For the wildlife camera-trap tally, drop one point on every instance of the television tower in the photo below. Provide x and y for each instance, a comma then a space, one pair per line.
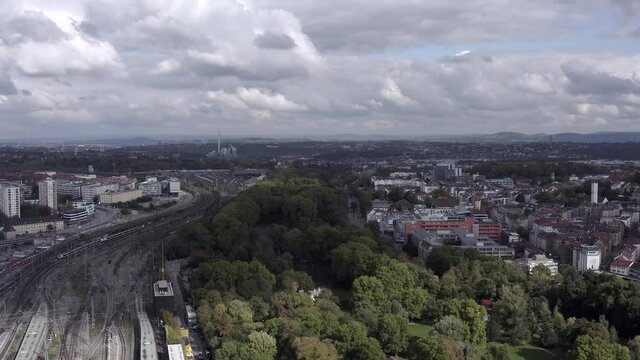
218, 140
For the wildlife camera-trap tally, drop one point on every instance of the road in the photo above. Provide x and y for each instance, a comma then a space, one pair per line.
91, 311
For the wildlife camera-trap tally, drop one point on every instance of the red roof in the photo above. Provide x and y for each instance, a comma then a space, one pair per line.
621, 263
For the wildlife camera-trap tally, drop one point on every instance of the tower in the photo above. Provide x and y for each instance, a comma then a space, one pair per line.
10, 200
47, 194
218, 140
594, 192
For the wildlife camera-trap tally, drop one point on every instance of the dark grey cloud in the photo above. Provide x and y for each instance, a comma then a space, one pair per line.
366, 26
6, 85
269, 40
586, 80
89, 28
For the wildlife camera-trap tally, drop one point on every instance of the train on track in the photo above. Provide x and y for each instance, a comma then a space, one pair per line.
101, 239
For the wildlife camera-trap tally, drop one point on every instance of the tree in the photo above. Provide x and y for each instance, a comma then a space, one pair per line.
451, 326
496, 352
510, 315
434, 347
393, 333
395, 194
370, 290
312, 348
353, 343
472, 314
230, 350
589, 348
634, 347
260, 346
295, 279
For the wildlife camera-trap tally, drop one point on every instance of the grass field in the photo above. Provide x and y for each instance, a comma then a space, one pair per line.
531, 352
419, 330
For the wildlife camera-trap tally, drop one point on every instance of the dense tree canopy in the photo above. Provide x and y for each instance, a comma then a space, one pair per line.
258, 262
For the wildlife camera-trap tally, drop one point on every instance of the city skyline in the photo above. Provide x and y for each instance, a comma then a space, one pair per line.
263, 68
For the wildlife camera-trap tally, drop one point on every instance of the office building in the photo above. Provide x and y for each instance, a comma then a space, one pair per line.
151, 187
120, 196
48, 194
10, 200
594, 192
81, 212
173, 186
446, 171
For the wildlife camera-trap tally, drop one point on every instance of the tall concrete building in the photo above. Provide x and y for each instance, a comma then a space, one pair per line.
10, 200
594, 192
47, 194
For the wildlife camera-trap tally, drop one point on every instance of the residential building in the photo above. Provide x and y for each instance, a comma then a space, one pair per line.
621, 266
538, 260
120, 196
586, 257
48, 194
15, 227
10, 200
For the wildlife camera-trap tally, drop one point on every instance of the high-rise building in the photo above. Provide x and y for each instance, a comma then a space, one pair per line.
10, 200
47, 194
594, 192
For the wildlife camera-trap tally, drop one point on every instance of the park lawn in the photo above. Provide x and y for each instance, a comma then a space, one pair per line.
419, 330
532, 352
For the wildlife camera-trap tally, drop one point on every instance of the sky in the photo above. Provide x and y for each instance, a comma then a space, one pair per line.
307, 67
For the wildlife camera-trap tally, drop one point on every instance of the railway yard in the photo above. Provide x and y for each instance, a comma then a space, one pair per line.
89, 299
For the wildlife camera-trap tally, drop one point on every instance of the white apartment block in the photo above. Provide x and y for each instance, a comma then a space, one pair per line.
10, 200
48, 194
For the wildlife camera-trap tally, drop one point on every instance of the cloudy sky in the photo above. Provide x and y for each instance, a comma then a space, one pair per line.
292, 67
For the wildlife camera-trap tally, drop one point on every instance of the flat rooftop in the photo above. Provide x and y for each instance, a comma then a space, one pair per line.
162, 288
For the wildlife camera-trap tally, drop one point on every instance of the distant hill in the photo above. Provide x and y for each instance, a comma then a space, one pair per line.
500, 137
599, 137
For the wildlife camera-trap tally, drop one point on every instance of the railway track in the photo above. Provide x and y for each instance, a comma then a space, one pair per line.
76, 340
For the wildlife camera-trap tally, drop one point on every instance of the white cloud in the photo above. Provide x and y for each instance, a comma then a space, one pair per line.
258, 103
391, 92
262, 99
75, 55
165, 67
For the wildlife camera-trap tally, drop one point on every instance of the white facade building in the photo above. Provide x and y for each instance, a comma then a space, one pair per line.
594, 192
531, 263
10, 200
48, 194
82, 211
151, 187
174, 186
586, 257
